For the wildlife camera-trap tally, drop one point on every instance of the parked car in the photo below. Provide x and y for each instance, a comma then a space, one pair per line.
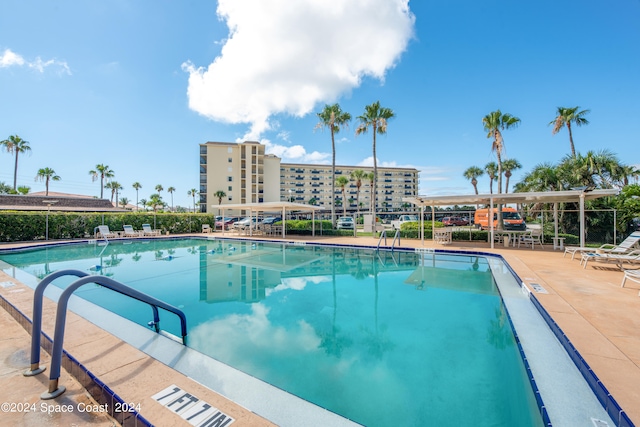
345, 223
228, 221
270, 220
449, 221
397, 224
244, 223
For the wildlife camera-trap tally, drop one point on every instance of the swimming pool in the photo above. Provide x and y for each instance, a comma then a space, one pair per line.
399, 338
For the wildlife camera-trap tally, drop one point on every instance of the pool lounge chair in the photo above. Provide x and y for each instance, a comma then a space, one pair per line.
103, 231
534, 236
148, 231
626, 246
206, 228
633, 275
130, 232
618, 259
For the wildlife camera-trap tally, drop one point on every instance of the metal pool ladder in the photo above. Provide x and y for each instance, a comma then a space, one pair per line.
383, 234
61, 315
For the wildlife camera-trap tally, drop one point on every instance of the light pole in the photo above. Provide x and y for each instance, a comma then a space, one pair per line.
48, 203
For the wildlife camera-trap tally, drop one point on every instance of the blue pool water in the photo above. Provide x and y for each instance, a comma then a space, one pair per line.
384, 339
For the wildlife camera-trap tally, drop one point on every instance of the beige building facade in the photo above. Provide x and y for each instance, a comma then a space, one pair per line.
245, 174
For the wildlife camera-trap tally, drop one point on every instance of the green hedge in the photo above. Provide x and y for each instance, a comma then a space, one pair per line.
26, 226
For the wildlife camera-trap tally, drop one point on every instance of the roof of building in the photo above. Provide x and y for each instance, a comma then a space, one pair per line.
59, 202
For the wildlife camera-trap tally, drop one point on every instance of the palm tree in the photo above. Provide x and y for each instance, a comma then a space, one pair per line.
472, 174
170, 190
143, 203
114, 186
123, 202
567, 116
491, 169
159, 189
358, 175
342, 182
376, 118
493, 123
103, 172
137, 186
155, 201
333, 118
17, 145
219, 195
193, 193
46, 175
22, 189
509, 165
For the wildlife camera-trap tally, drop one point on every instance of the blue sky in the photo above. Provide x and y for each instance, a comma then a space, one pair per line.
138, 84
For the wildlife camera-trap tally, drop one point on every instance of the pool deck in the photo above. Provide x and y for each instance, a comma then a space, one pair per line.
598, 316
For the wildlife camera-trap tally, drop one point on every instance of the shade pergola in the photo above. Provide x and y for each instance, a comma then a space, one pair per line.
555, 197
282, 207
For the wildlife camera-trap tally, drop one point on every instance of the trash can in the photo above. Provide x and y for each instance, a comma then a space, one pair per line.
506, 241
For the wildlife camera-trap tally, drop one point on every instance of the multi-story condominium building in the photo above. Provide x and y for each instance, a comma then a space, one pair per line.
303, 183
245, 174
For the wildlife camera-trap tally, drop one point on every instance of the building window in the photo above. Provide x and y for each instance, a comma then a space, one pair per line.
230, 159
230, 198
229, 169
229, 150
229, 188
230, 178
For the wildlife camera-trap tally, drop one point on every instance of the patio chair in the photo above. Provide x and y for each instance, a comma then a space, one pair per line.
625, 246
633, 275
206, 228
129, 231
148, 231
103, 230
618, 259
534, 236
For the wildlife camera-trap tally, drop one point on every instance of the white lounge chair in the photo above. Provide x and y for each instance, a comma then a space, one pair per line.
442, 236
625, 246
103, 231
148, 231
130, 232
206, 228
633, 275
618, 259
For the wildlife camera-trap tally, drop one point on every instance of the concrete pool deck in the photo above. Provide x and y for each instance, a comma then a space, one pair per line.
599, 317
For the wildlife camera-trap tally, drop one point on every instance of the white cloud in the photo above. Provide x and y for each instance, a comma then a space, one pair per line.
10, 58
284, 57
295, 153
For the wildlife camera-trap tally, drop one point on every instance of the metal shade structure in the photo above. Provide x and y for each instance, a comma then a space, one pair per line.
555, 197
282, 207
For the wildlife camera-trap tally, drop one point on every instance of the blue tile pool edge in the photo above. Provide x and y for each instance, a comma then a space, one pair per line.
617, 414
98, 390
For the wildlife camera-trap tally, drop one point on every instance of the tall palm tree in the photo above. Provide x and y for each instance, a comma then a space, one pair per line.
123, 202
508, 166
342, 182
472, 174
159, 189
143, 203
358, 175
567, 116
193, 193
137, 186
494, 123
334, 118
491, 169
17, 145
219, 195
104, 173
170, 190
46, 175
376, 118
155, 201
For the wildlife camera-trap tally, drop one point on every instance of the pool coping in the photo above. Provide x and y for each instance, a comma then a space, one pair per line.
608, 402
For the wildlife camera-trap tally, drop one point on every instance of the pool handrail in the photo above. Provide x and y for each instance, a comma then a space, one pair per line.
383, 234
56, 353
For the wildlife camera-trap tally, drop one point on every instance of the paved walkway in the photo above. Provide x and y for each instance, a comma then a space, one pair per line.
599, 317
